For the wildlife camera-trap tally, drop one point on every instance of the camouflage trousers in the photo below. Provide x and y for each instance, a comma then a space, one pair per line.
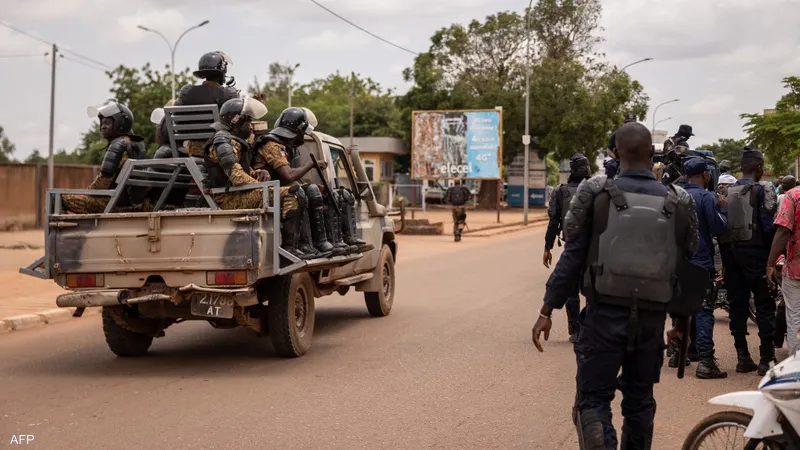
253, 199
459, 218
95, 204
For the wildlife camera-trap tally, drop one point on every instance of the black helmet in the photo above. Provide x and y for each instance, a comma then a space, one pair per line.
211, 64
119, 113
238, 111
630, 117
291, 123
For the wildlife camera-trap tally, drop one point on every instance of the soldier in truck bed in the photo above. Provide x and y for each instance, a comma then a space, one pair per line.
559, 204
116, 126
273, 154
212, 67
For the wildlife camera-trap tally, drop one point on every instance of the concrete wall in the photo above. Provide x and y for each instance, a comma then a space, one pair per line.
23, 187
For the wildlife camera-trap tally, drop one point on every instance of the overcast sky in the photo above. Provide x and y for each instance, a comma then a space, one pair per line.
719, 57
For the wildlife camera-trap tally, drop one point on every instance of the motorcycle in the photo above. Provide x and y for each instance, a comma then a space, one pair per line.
773, 423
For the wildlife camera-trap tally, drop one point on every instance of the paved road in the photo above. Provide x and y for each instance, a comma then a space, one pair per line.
451, 368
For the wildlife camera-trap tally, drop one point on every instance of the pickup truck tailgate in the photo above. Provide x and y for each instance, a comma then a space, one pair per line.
153, 242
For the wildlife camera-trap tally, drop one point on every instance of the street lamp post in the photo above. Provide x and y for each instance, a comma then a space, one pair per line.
662, 120
291, 88
636, 62
526, 139
173, 47
655, 111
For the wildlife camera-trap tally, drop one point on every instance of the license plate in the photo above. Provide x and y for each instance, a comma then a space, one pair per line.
212, 305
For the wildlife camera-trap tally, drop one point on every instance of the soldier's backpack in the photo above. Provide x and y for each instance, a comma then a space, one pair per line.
634, 252
458, 195
742, 210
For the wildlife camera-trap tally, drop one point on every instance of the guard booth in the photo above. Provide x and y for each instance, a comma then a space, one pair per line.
537, 181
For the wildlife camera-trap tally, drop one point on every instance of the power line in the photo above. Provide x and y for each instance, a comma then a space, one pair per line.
364, 30
25, 33
83, 63
27, 55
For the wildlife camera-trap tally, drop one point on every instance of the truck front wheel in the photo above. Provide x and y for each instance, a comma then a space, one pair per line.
379, 304
290, 314
121, 341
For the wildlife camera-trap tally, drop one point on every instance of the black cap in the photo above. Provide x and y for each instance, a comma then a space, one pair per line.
685, 130
750, 152
694, 166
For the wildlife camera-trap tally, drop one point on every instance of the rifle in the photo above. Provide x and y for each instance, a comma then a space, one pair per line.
328, 191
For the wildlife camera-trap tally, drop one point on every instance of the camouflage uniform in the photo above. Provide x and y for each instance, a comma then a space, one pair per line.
459, 218
116, 154
271, 157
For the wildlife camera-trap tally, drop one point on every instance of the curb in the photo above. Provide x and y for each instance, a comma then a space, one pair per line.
507, 225
509, 230
28, 321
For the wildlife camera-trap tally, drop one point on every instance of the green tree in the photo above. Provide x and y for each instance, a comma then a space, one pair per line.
7, 147
730, 149
576, 99
374, 110
777, 133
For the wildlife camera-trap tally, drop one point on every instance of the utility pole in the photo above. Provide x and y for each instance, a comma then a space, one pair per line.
526, 139
290, 73
352, 100
50, 167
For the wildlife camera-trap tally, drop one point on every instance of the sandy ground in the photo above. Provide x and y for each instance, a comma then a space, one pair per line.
452, 367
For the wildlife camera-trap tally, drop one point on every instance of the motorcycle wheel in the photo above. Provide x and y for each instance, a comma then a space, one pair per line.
729, 426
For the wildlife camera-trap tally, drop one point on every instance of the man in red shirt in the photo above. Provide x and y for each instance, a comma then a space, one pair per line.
787, 241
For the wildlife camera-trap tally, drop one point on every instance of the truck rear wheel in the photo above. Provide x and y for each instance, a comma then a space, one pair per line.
290, 314
123, 342
379, 304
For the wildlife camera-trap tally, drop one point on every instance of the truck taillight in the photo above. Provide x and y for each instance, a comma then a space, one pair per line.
228, 278
85, 280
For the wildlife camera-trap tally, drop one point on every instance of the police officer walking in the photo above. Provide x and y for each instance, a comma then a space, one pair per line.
712, 221
559, 204
612, 228
745, 247
674, 147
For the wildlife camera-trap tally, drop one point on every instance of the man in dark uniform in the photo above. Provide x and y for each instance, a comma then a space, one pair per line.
625, 240
116, 126
712, 221
745, 247
724, 167
458, 196
559, 205
612, 165
273, 153
212, 68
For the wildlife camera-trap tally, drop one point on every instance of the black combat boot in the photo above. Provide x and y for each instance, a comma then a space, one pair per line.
708, 369
745, 363
673, 360
332, 229
350, 228
304, 243
767, 357
317, 219
636, 440
290, 234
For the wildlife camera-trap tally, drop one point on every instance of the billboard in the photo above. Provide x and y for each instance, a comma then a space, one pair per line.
457, 144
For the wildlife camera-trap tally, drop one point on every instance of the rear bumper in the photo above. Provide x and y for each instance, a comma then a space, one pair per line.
87, 299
